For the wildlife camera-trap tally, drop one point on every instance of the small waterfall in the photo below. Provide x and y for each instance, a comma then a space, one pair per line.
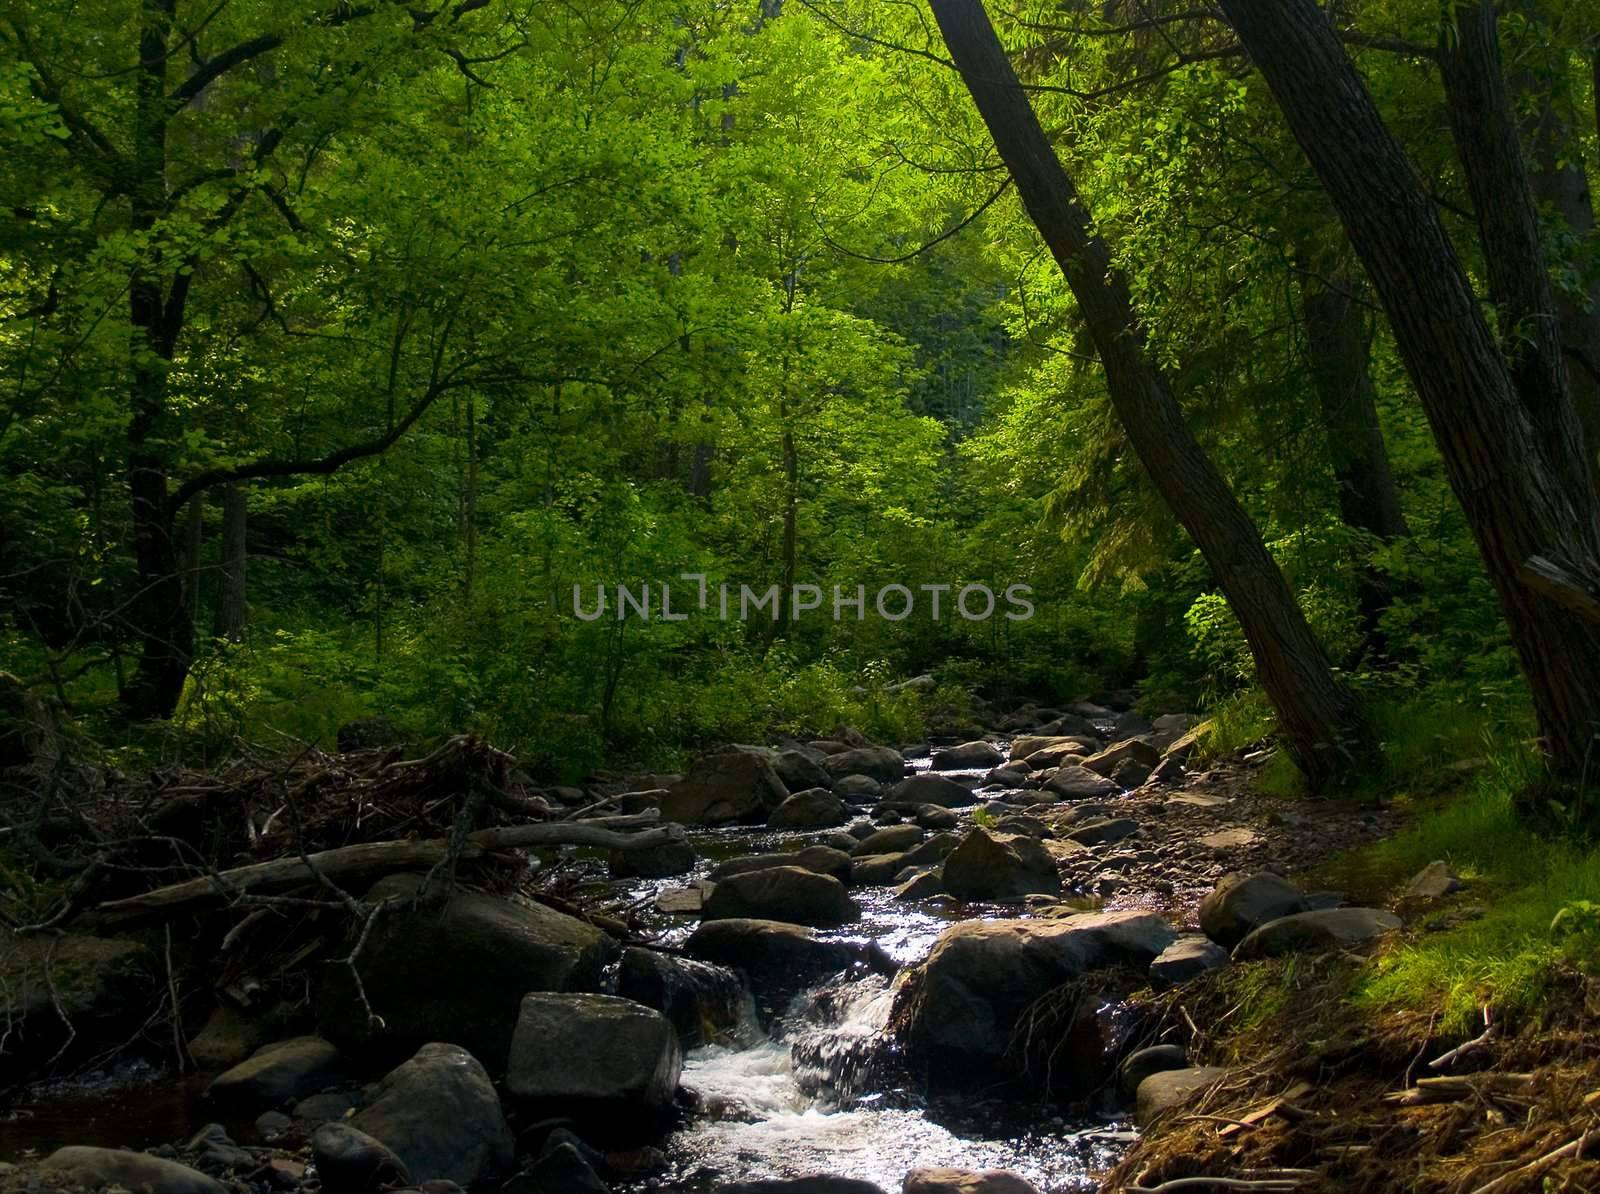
839, 1039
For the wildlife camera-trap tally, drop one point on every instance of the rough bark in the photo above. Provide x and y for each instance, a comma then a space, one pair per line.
1320, 720
1489, 146
1518, 500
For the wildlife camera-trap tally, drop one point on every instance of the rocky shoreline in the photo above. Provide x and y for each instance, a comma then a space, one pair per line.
501, 1031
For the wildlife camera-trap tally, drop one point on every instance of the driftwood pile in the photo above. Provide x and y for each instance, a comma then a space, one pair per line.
257, 830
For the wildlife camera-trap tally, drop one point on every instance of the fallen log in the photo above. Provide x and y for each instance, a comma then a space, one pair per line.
371, 860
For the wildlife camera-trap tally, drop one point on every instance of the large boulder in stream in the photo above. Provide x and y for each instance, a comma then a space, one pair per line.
782, 893
802, 769
824, 860
704, 1002
440, 1115
816, 1183
279, 1073
814, 808
1000, 866
739, 783
968, 756
882, 763
455, 973
1073, 782
602, 1059
955, 1013
929, 789
779, 959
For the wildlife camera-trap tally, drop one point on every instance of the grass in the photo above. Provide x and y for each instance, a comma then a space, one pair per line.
1494, 943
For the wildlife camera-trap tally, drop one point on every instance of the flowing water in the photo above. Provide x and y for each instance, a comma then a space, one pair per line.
820, 1093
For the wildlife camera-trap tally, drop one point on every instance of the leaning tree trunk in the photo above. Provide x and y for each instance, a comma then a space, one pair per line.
1320, 719
1340, 355
1510, 467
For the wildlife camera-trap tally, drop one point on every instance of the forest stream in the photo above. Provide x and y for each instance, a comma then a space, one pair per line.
802, 1075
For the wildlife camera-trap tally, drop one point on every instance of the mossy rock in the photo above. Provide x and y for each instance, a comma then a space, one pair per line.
68, 997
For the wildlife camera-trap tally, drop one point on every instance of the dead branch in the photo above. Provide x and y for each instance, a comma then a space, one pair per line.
372, 859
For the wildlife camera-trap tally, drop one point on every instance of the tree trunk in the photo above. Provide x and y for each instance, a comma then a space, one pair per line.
1321, 721
1509, 467
1489, 146
1561, 183
161, 616
233, 611
1340, 356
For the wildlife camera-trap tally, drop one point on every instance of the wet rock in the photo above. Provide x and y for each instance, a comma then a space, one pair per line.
780, 960
1326, 928
967, 756
934, 850
440, 1115
600, 1058
857, 789
98, 1168
735, 784
673, 857
824, 860
920, 886
1109, 759
931, 816
456, 973
861, 830
882, 763
1139, 1065
683, 901
278, 1073
351, 1162
814, 808
998, 866
801, 770
703, 1002
562, 1169
876, 870
1241, 903
1172, 1088
1171, 723
928, 788
1029, 747
97, 984
1433, 882
1012, 776
1096, 833
1187, 958
960, 1006
559, 1170
782, 893
896, 839
211, 1150
1079, 783
965, 1181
